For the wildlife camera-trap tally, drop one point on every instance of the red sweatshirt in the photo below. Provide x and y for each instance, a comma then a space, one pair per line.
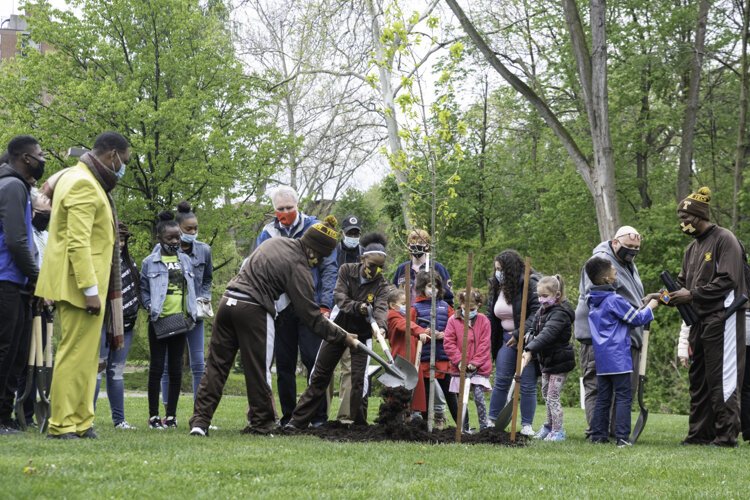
397, 332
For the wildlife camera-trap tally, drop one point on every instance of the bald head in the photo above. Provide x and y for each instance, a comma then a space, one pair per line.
626, 244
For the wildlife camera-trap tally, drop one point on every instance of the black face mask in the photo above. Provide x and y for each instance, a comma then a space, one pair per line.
169, 249
40, 221
626, 254
417, 250
38, 171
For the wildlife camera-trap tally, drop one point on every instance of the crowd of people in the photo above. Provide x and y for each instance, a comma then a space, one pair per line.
307, 290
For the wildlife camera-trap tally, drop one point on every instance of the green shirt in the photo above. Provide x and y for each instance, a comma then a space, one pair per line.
173, 302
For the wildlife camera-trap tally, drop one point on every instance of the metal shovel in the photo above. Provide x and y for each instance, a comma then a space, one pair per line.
29, 388
404, 367
41, 407
643, 415
44, 389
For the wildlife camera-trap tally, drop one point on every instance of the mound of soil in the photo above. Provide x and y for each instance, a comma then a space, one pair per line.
393, 424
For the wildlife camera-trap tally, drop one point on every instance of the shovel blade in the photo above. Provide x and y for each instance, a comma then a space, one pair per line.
399, 374
506, 414
639, 425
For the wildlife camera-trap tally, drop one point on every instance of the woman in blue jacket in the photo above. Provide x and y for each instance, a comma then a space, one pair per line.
167, 289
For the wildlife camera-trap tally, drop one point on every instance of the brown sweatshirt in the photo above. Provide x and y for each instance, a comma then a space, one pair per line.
351, 291
280, 266
711, 269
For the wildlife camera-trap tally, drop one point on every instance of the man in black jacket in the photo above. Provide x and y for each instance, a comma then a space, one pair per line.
18, 268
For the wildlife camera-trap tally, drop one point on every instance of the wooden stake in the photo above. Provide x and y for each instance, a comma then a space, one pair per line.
407, 293
467, 307
519, 346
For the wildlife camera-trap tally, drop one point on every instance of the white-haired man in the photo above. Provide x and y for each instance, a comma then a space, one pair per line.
621, 251
292, 335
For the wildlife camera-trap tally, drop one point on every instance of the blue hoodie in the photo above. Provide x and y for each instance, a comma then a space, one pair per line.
610, 318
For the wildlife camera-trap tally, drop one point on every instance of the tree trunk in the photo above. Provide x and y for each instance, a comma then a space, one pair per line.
742, 139
691, 103
389, 107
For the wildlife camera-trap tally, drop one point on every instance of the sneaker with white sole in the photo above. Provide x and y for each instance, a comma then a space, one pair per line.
170, 422
555, 436
199, 431
125, 426
155, 423
527, 430
624, 443
543, 432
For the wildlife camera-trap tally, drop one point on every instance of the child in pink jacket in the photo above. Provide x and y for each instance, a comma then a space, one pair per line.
478, 358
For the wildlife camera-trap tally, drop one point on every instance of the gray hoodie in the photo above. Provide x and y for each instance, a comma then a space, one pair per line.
628, 286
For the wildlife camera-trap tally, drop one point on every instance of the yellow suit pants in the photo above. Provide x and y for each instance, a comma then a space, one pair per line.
76, 362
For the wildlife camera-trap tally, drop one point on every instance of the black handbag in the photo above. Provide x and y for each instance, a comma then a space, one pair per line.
174, 324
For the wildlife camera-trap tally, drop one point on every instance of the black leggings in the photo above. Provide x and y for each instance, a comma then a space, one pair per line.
450, 397
158, 349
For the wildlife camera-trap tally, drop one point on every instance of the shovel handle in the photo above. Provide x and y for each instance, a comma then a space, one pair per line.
418, 357
381, 340
37, 330
374, 355
32, 348
644, 354
48, 347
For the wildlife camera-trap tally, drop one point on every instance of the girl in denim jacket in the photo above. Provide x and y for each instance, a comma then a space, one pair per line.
167, 288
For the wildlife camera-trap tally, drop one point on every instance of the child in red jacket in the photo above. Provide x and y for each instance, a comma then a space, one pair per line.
478, 358
397, 336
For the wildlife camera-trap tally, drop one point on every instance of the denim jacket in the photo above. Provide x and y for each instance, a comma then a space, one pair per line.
203, 268
155, 279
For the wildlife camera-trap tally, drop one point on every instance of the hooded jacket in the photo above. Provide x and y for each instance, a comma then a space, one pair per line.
17, 261
627, 286
351, 291
478, 347
610, 320
550, 338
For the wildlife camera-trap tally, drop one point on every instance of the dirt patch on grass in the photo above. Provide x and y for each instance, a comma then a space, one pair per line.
393, 424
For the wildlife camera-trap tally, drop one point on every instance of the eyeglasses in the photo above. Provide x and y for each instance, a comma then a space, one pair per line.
632, 236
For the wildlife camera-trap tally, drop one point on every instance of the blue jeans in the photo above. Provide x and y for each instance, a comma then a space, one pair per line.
197, 364
606, 385
115, 368
505, 369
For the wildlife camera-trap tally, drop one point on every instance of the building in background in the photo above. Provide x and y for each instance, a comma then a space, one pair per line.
13, 29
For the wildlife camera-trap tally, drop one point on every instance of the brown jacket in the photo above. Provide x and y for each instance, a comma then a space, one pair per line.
711, 269
280, 266
351, 291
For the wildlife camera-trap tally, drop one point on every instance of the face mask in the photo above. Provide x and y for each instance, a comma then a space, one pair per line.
499, 276
120, 173
38, 171
169, 249
312, 259
287, 218
428, 292
472, 313
417, 250
626, 254
40, 221
402, 310
688, 228
350, 242
372, 271
547, 301
188, 238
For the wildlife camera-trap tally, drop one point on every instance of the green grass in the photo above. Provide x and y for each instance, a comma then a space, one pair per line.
170, 464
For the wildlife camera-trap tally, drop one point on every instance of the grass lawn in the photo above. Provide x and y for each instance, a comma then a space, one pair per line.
170, 464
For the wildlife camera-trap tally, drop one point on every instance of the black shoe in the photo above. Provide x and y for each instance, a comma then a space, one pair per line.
292, 427
624, 443
599, 440
89, 434
261, 431
8, 431
199, 431
170, 422
67, 435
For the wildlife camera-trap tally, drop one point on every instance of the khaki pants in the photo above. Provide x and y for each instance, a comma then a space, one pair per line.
345, 387
76, 363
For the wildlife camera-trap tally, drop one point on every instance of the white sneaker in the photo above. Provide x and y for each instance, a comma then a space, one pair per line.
527, 430
198, 431
125, 425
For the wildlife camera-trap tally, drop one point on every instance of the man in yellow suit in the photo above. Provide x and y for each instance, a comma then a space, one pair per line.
79, 273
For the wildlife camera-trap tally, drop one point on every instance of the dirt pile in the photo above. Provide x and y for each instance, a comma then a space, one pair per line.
393, 424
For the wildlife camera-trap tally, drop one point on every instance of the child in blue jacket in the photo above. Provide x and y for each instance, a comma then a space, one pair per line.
610, 318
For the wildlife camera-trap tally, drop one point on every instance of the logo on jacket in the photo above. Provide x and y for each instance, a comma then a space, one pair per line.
370, 298
707, 257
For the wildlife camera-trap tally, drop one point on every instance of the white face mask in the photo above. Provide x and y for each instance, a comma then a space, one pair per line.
350, 242
428, 292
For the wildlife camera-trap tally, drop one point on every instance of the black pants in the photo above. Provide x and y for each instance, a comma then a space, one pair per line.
248, 327
15, 335
328, 357
293, 336
158, 349
745, 400
716, 377
450, 397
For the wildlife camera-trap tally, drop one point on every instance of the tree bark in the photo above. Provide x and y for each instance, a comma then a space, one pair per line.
691, 103
742, 139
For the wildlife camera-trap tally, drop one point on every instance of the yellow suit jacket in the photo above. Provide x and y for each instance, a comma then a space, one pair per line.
81, 239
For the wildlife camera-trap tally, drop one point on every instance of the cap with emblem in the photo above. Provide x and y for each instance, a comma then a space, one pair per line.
697, 204
350, 222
